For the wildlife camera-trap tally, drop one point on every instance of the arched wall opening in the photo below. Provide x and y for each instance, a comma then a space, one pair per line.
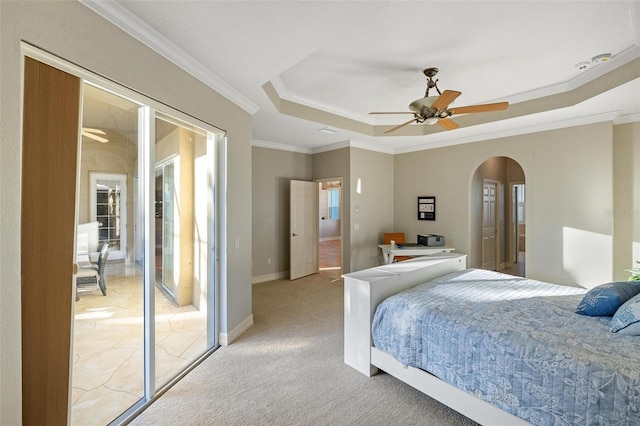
497, 214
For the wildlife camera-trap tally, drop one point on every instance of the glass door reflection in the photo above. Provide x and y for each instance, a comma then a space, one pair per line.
108, 331
183, 190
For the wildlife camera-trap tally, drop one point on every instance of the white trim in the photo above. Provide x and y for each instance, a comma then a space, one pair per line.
141, 31
353, 144
280, 146
330, 238
534, 128
226, 339
598, 70
269, 277
629, 118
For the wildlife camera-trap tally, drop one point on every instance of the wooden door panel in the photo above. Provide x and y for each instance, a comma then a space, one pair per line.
489, 226
49, 158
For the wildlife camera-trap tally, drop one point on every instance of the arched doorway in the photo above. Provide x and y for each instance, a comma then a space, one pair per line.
498, 231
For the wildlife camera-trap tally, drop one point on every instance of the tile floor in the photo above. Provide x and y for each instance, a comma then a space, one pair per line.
108, 344
108, 340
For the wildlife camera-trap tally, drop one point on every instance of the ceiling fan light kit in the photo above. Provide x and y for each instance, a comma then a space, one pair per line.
434, 109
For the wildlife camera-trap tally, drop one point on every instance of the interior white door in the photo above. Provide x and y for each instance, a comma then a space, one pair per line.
303, 235
489, 191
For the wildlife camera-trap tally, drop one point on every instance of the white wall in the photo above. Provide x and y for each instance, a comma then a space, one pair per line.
569, 188
71, 31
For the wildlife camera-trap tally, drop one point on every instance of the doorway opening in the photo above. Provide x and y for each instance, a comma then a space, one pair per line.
330, 225
498, 216
518, 234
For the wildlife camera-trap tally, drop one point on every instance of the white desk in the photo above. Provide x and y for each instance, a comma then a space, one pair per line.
388, 253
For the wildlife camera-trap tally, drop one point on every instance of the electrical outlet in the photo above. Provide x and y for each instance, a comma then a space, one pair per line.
268, 261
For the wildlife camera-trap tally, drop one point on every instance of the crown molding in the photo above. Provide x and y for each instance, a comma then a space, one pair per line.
286, 95
141, 31
515, 131
629, 118
352, 143
627, 55
598, 70
280, 146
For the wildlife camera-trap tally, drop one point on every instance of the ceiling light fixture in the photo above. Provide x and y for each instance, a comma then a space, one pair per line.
327, 130
605, 57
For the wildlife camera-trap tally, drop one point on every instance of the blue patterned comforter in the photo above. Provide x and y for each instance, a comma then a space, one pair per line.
518, 344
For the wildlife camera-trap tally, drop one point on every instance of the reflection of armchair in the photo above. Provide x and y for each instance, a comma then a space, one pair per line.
91, 272
87, 243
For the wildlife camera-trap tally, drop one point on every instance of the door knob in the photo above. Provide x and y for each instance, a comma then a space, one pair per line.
293, 234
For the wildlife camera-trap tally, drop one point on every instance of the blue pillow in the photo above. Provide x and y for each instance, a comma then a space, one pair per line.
605, 299
627, 318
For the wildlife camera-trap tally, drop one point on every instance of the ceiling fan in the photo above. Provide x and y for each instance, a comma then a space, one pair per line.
93, 134
433, 109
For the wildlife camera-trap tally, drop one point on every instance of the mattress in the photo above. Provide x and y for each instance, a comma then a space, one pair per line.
517, 344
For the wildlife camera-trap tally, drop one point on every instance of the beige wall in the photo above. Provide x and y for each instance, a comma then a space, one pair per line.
68, 29
272, 171
372, 206
336, 164
626, 205
366, 215
569, 188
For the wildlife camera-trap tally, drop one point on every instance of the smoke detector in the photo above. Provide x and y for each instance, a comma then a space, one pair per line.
581, 66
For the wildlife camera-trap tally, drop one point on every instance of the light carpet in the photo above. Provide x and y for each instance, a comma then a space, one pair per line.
288, 369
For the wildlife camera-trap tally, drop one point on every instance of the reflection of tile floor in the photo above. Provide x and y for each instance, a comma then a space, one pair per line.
108, 344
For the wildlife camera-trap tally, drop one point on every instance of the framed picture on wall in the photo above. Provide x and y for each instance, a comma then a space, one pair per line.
427, 208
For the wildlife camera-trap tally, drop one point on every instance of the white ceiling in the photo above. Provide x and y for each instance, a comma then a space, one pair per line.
349, 58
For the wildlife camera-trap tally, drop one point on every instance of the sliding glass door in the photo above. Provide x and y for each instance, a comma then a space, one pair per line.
153, 251
184, 157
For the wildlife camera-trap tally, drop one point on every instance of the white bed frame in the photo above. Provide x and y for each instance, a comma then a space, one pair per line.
364, 290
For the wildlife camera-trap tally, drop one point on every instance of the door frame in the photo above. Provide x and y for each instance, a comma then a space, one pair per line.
46, 381
513, 233
122, 177
341, 209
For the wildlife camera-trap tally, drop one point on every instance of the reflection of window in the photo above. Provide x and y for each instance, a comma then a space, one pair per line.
334, 204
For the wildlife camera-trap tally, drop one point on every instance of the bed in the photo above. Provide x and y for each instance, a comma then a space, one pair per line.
497, 348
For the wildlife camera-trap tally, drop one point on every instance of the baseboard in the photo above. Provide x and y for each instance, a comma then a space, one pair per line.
226, 339
330, 238
269, 277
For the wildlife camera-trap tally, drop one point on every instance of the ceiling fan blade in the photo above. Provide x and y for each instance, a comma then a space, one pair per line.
95, 137
445, 99
479, 108
447, 124
396, 112
92, 130
402, 125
